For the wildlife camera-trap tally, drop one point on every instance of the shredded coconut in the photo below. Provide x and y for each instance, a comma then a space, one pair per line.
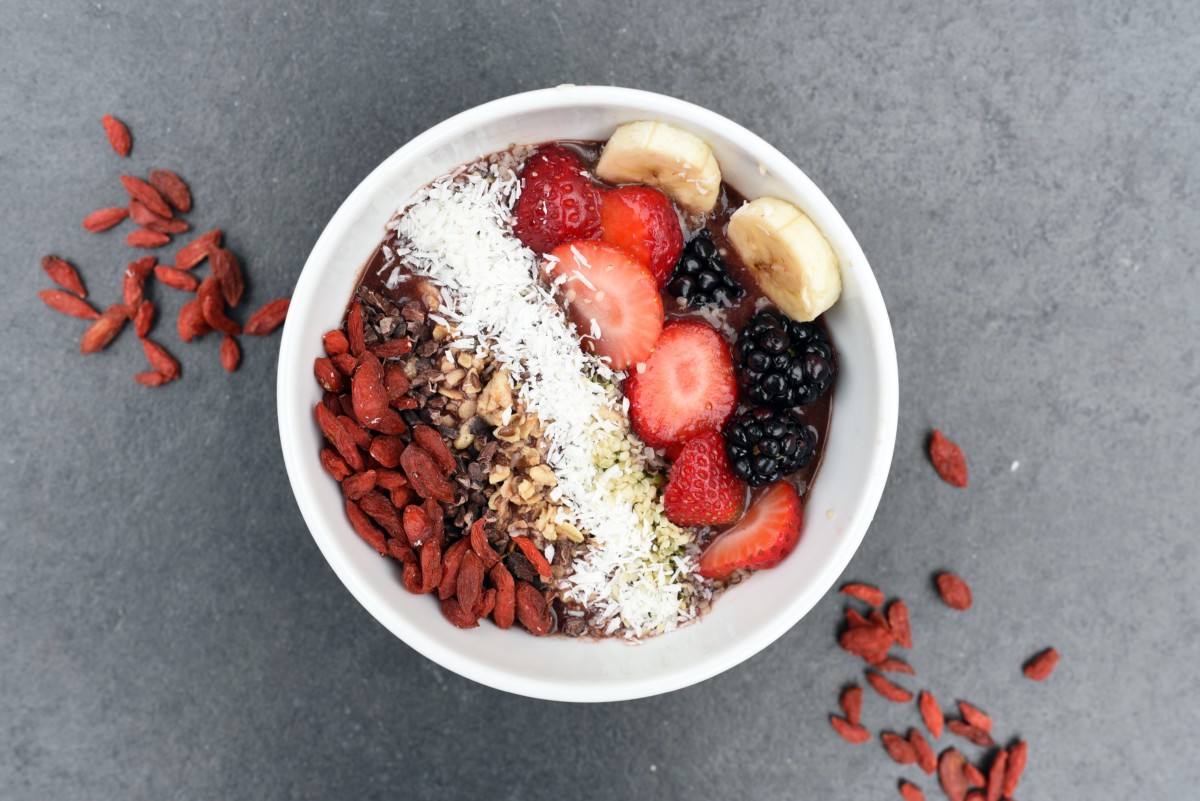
636, 568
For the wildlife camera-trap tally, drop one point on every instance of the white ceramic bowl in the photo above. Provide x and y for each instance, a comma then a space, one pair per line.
748, 617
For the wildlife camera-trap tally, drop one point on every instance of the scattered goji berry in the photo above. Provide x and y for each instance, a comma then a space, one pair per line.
954, 591
1042, 665
948, 460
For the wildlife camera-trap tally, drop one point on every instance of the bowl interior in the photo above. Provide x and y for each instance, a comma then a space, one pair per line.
746, 618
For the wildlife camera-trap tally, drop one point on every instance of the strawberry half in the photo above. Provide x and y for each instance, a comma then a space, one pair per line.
702, 489
686, 386
609, 292
643, 221
768, 533
557, 202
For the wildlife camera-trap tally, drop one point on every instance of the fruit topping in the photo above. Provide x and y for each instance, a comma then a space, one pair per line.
768, 533
700, 278
611, 297
676, 161
784, 363
686, 386
794, 264
702, 489
642, 220
557, 203
764, 445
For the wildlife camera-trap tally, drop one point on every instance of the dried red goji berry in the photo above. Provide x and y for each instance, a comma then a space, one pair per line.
228, 271
969, 732
950, 774
336, 434
191, 322
212, 303
104, 330
487, 603
159, 359
399, 550
469, 583
435, 445
417, 526
424, 476
505, 612
1042, 665
231, 353
62, 273
146, 194
926, 758
483, 549
854, 619
850, 732
328, 376
176, 279
396, 381
431, 566
890, 691
973, 775
145, 238
975, 716
897, 617
954, 591
143, 319
334, 465
118, 135
893, 665
851, 702
911, 792
66, 303
335, 343
386, 450
391, 479
532, 610
150, 378
147, 219
530, 550
392, 348
173, 189
358, 485
948, 460
1017, 755
103, 219
931, 713
345, 364
898, 748
197, 250
866, 641
354, 329
383, 512
864, 592
461, 618
368, 392
995, 776
451, 560
133, 282
365, 528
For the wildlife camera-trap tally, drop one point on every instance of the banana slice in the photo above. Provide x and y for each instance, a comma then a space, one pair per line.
788, 254
676, 161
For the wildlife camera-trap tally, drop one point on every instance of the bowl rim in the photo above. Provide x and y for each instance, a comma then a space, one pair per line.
297, 449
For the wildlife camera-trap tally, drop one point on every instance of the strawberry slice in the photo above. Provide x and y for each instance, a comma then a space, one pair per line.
557, 202
686, 386
768, 533
702, 489
643, 221
612, 299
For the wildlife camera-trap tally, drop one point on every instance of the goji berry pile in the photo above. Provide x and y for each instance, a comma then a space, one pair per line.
154, 206
870, 638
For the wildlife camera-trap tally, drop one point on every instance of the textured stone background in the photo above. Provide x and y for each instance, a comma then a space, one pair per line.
1025, 178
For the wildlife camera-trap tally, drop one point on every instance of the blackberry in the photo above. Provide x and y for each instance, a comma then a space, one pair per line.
700, 278
764, 445
783, 363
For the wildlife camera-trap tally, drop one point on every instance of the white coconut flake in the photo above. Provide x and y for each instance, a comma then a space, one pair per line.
635, 569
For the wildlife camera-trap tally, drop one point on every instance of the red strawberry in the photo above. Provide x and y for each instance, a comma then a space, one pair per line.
557, 203
702, 489
768, 533
686, 386
643, 221
608, 287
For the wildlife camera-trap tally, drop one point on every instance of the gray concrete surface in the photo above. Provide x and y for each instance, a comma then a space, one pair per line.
1025, 178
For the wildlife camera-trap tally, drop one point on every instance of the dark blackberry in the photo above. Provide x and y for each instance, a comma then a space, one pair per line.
783, 363
764, 445
700, 278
